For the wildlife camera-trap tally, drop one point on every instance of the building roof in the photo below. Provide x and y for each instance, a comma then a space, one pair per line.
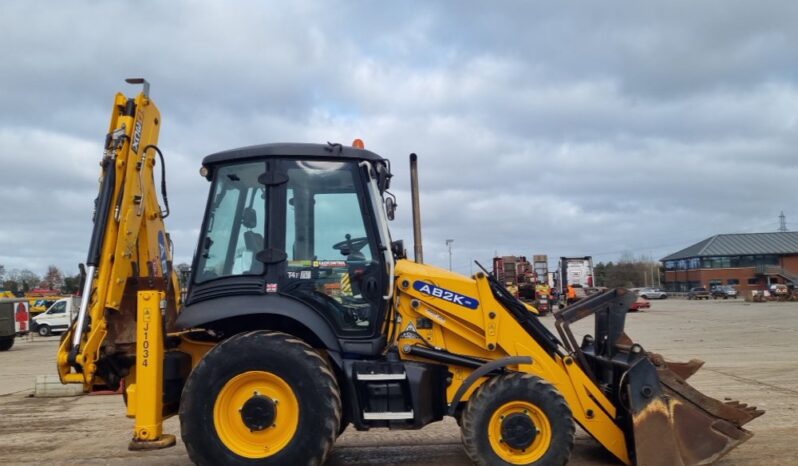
740, 244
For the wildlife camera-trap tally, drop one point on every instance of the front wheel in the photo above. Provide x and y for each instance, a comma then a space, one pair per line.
517, 419
260, 398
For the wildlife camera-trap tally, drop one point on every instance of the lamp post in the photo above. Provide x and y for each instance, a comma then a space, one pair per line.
449, 245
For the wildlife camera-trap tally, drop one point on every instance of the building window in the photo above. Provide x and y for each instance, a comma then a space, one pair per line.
746, 261
722, 262
713, 283
732, 281
753, 281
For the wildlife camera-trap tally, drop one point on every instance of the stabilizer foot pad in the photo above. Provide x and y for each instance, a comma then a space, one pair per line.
166, 441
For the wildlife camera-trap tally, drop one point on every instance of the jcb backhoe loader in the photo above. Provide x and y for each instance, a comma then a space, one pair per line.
303, 316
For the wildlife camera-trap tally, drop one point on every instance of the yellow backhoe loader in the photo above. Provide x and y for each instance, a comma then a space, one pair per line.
303, 316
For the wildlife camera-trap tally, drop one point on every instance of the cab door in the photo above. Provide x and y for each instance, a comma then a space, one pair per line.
333, 262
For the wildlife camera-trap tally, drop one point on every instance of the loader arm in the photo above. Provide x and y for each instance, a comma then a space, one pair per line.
628, 400
130, 251
490, 332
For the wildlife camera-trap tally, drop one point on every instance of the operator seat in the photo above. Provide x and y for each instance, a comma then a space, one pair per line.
252, 241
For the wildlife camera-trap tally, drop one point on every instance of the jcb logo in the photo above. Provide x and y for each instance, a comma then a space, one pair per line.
137, 136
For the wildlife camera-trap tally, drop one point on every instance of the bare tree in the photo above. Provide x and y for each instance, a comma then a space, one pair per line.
54, 278
21, 280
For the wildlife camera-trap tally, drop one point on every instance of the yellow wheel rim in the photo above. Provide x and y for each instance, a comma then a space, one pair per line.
534, 451
230, 425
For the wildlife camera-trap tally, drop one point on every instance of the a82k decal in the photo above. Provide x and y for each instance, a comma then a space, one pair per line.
446, 295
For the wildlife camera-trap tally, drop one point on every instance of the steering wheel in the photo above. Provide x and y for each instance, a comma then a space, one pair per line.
351, 245
348, 315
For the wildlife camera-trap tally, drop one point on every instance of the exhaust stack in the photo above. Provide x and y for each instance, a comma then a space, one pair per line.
417, 249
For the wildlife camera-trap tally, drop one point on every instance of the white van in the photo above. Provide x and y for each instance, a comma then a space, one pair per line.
57, 318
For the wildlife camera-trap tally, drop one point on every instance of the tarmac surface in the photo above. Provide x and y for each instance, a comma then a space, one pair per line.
751, 354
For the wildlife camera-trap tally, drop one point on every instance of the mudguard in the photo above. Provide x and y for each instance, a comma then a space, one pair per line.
201, 314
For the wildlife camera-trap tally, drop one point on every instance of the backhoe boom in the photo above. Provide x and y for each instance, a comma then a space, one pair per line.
129, 251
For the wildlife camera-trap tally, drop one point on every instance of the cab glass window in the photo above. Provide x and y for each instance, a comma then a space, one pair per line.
235, 224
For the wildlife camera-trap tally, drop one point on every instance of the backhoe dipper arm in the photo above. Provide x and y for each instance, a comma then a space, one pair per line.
129, 251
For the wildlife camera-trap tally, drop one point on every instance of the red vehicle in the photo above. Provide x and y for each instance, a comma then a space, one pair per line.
640, 304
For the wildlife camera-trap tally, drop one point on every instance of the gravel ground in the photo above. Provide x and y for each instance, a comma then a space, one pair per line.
749, 349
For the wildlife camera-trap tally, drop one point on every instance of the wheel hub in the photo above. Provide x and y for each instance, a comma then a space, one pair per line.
518, 431
259, 412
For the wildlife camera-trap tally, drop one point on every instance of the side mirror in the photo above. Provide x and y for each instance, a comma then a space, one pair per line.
390, 207
383, 177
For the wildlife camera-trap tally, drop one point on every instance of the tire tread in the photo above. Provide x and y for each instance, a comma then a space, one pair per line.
291, 348
478, 406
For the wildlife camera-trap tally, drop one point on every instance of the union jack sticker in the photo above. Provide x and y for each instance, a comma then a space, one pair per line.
271, 287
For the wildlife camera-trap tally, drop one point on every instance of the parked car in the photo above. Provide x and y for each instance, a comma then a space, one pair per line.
779, 292
57, 318
652, 293
724, 292
698, 293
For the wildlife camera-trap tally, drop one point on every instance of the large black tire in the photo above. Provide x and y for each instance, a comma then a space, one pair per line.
6, 343
494, 397
44, 330
311, 382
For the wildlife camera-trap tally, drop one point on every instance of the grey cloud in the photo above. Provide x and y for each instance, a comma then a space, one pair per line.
561, 129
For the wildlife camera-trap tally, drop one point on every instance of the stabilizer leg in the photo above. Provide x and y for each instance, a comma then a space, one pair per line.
145, 396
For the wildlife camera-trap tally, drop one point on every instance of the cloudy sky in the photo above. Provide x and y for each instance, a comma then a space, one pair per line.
559, 128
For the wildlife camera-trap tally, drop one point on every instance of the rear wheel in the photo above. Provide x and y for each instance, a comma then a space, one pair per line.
6, 343
517, 419
44, 330
260, 398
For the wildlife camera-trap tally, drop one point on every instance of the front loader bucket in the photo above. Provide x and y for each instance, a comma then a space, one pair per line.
673, 424
667, 421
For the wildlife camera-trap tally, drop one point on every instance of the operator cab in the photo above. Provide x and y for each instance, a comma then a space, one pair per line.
304, 222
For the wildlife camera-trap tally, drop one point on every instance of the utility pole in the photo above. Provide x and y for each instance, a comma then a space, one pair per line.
782, 222
449, 245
